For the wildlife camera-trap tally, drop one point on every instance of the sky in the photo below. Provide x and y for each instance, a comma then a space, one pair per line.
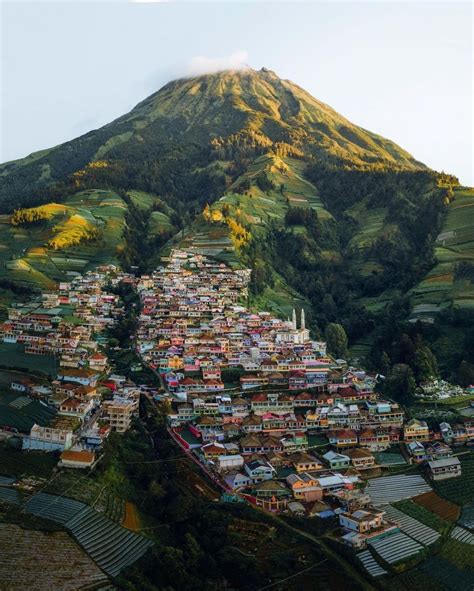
401, 69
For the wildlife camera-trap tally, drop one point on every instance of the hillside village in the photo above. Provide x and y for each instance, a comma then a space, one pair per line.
264, 411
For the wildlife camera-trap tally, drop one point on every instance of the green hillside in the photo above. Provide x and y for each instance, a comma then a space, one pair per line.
252, 170
450, 283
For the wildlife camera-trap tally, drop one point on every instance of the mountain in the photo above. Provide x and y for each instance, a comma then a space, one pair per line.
253, 170
244, 107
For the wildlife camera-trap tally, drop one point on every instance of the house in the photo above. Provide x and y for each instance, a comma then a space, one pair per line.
363, 525
443, 469
446, 432
57, 436
304, 487
77, 459
362, 459
259, 470
362, 520
119, 412
304, 462
237, 480
417, 451
229, 462
337, 461
211, 451
272, 495
416, 430
343, 438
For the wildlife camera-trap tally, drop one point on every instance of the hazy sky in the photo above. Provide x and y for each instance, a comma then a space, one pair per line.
403, 70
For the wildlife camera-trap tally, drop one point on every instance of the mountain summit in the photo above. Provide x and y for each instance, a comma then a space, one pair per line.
211, 112
275, 110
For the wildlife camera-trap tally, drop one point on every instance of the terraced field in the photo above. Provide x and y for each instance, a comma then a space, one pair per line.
395, 547
370, 564
111, 546
22, 412
459, 490
440, 289
414, 528
26, 251
389, 489
38, 561
438, 506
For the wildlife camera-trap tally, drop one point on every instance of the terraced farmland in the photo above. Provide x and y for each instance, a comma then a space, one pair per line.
414, 528
437, 505
111, 546
56, 508
370, 564
462, 535
440, 288
27, 253
467, 516
36, 561
389, 489
395, 547
459, 490
22, 414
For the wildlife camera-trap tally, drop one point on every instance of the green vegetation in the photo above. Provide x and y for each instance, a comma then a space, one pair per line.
14, 462
421, 514
459, 490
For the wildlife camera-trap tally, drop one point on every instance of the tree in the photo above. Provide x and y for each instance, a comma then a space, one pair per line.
466, 373
425, 365
336, 339
400, 384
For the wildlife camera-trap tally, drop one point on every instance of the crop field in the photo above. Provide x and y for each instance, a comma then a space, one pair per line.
38, 561
370, 564
414, 528
12, 355
26, 252
22, 412
389, 489
423, 515
395, 547
438, 506
446, 574
16, 463
460, 489
439, 289
467, 516
462, 535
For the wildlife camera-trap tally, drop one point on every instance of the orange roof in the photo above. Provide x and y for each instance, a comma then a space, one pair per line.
78, 456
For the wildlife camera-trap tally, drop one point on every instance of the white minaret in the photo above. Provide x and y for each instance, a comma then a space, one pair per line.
303, 320
294, 320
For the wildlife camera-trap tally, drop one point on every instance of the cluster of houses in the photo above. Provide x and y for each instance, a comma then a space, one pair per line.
438, 389
88, 401
296, 430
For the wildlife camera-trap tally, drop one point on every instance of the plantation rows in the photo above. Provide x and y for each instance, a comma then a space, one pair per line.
395, 547
60, 509
371, 565
467, 516
421, 533
111, 546
462, 535
9, 495
389, 489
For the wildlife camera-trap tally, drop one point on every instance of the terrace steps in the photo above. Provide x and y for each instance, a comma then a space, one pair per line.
395, 547
389, 489
370, 564
462, 535
414, 528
